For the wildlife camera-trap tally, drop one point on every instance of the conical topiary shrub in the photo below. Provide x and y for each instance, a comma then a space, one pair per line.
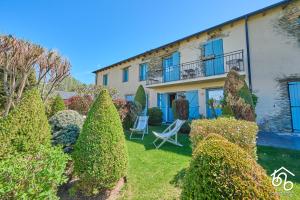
140, 96
26, 126
58, 104
100, 155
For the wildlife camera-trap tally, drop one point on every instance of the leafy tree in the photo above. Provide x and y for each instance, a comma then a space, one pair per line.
100, 155
140, 96
18, 61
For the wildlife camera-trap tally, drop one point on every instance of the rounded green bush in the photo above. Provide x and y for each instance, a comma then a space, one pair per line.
33, 175
64, 118
222, 170
26, 126
155, 116
66, 137
240, 132
140, 96
100, 155
66, 126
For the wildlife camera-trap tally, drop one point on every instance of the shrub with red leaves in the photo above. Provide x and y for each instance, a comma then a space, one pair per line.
80, 104
128, 111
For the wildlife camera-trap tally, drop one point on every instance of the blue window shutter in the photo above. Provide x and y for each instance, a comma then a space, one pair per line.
158, 99
209, 64
162, 104
219, 61
176, 66
143, 71
176, 58
214, 66
192, 97
294, 93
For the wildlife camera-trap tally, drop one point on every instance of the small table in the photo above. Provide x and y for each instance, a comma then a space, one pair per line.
190, 73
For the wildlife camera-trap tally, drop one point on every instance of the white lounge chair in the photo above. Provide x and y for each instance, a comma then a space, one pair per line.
140, 126
170, 132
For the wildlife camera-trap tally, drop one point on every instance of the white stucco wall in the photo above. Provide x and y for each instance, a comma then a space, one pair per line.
274, 57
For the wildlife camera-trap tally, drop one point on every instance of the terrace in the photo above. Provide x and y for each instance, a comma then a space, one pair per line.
208, 67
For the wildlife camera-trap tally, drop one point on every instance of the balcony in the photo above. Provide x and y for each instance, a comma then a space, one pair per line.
209, 66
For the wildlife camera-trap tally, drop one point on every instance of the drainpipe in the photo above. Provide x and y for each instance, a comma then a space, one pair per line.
248, 53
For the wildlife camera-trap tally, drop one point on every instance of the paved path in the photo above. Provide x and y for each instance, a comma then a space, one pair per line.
279, 140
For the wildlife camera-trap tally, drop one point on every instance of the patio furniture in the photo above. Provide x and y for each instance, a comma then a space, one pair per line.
190, 72
235, 64
166, 135
140, 127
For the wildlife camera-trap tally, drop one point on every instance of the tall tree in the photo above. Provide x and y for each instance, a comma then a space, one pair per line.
19, 59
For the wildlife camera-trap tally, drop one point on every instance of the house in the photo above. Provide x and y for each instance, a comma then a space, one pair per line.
263, 46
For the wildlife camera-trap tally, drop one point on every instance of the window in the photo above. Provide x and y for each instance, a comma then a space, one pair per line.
125, 74
129, 97
143, 71
105, 79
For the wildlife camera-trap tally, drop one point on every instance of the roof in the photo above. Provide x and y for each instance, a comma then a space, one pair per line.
66, 95
284, 2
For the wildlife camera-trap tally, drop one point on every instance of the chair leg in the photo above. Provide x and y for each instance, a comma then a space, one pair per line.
155, 142
143, 135
174, 142
161, 144
137, 137
130, 135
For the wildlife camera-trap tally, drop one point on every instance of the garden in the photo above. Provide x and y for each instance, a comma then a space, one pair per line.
50, 149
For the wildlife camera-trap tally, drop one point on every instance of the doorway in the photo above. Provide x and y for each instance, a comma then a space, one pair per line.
171, 99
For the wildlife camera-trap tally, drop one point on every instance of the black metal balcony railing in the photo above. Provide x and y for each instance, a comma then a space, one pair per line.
206, 66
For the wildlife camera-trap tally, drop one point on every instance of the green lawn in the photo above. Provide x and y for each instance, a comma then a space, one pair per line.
274, 158
156, 174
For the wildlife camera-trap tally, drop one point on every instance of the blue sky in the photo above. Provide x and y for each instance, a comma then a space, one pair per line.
96, 33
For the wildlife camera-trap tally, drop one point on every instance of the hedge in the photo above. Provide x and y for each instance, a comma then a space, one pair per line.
100, 155
222, 170
26, 126
32, 175
240, 132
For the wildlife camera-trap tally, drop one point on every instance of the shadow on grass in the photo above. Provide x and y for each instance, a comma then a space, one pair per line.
149, 138
177, 181
271, 158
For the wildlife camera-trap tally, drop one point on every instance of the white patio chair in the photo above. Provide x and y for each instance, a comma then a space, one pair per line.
140, 126
170, 132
